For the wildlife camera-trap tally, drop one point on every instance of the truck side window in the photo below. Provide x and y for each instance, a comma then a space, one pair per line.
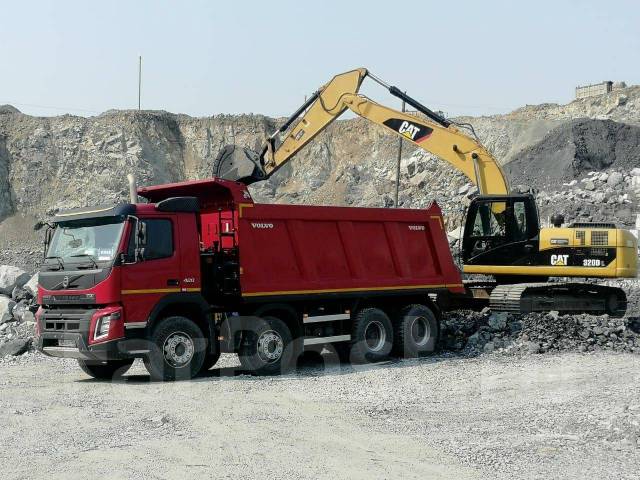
159, 239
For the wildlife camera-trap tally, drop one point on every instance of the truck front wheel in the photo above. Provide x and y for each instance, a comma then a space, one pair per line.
267, 349
105, 370
178, 350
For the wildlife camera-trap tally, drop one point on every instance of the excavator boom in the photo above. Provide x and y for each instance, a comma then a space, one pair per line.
430, 132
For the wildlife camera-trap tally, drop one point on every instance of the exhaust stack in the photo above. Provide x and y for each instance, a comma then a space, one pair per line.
133, 188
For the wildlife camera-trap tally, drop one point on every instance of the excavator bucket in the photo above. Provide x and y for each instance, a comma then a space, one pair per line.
239, 164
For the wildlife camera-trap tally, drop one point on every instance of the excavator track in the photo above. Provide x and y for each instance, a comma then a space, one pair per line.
561, 297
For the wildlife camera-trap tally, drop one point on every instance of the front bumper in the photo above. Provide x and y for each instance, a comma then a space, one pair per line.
65, 334
49, 344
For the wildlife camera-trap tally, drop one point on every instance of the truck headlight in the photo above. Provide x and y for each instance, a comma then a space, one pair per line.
103, 325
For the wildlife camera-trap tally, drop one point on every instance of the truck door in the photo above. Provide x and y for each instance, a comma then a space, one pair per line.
155, 273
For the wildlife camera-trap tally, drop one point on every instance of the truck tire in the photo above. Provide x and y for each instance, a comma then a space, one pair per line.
209, 361
267, 349
178, 350
371, 337
416, 331
107, 370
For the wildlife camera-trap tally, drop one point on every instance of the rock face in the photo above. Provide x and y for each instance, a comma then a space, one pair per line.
53, 163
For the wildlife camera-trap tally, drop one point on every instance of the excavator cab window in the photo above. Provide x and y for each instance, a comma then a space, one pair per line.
497, 227
490, 220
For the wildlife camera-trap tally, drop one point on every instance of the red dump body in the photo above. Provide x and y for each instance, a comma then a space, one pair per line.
306, 250
290, 249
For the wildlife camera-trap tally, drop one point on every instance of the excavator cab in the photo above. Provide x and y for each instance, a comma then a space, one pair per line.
501, 230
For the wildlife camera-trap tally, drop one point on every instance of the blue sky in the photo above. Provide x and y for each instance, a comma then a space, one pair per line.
208, 57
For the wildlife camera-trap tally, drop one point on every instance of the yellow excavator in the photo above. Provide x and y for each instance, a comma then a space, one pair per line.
502, 235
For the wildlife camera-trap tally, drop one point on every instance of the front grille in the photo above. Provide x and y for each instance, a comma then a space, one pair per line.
66, 321
599, 237
62, 326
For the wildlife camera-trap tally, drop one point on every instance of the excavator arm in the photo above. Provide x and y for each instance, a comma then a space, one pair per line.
432, 133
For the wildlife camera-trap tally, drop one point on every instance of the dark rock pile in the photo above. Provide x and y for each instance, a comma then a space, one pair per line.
485, 332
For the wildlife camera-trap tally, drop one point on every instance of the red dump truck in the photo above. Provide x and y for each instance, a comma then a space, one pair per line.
201, 269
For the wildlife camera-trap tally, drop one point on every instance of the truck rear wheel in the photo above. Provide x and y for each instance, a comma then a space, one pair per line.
178, 350
416, 331
105, 370
267, 349
371, 337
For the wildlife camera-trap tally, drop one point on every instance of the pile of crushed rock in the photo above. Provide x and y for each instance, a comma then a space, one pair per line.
610, 196
18, 292
473, 333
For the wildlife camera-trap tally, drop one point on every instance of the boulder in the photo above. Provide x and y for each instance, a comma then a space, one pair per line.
419, 179
11, 277
614, 179
489, 347
22, 313
589, 185
408, 165
498, 321
15, 347
464, 189
19, 294
6, 309
32, 286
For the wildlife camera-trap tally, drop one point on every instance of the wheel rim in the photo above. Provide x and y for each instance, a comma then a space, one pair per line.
270, 346
420, 331
375, 336
178, 349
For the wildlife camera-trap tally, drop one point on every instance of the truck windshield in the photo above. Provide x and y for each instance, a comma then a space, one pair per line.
89, 240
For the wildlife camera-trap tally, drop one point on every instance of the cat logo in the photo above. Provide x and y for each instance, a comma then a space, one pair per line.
409, 130
559, 260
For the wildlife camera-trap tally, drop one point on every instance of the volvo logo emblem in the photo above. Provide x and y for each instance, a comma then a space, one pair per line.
65, 281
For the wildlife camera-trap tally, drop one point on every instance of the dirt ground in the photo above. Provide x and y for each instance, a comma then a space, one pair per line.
542, 416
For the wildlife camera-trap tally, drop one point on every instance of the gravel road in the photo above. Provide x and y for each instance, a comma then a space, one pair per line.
540, 416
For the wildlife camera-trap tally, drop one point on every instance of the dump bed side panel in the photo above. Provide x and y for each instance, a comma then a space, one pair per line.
288, 250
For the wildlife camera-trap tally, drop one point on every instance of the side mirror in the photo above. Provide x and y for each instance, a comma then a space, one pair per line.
38, 226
